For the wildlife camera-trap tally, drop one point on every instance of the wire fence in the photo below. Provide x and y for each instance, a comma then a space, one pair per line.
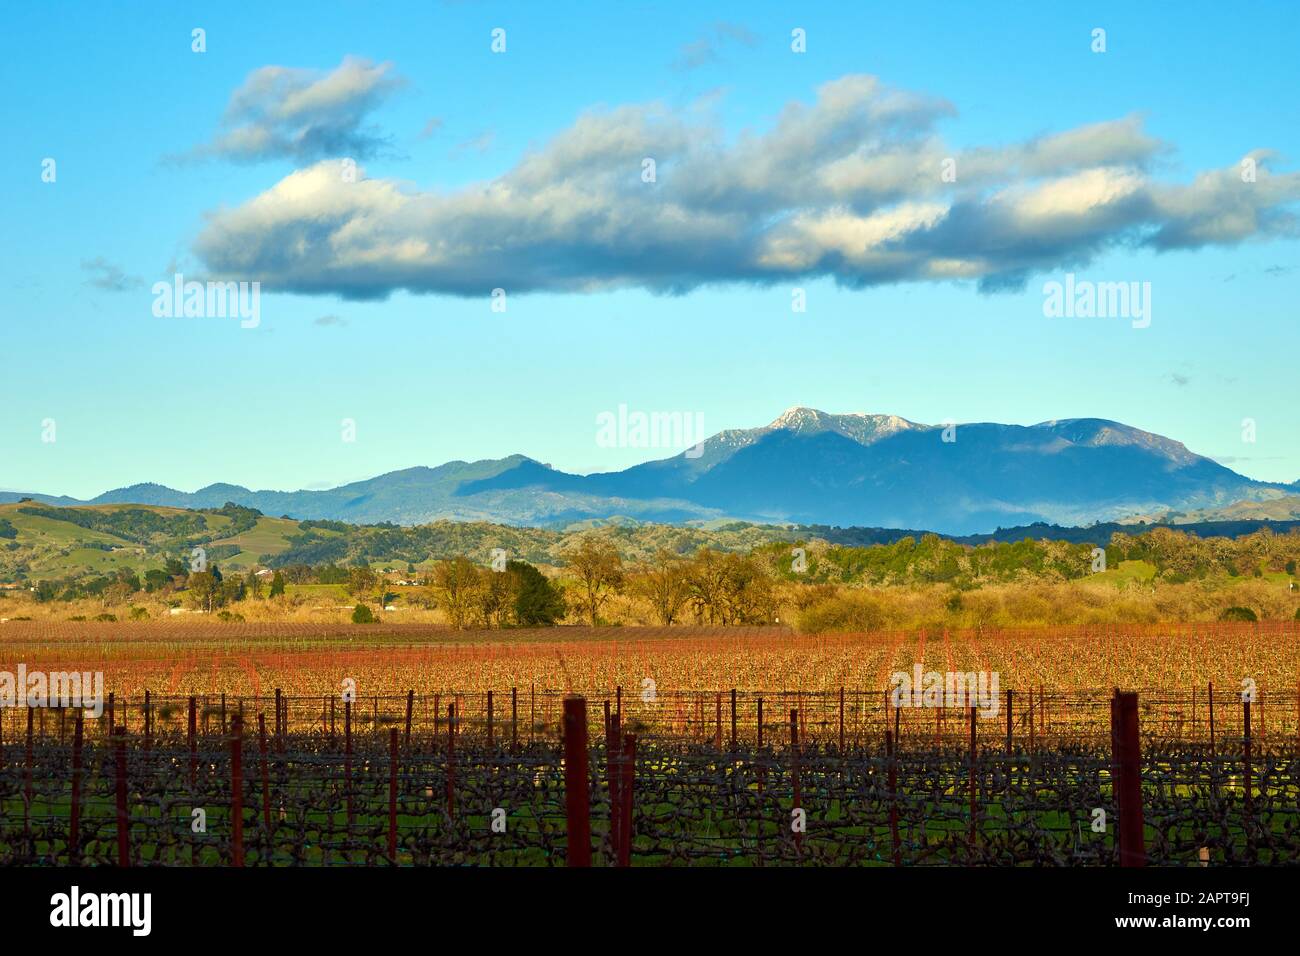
1033, 716
683, 778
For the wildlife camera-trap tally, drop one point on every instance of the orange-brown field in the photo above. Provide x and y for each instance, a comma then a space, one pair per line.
307, 659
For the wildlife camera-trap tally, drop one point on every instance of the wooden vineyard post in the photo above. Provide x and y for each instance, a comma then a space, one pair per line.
972, 786
1246, 752
614, 779
841, 721
74, 821
191, 733
451, 760
1031, 720
733, 718
347, 759
489, 720
392, 796
279, 725
893, 798
886, 710
148, 725
237, 791
577, 796
626, 786
410, 706
1127, 763
1009, 724
266, 778
794, 775
514, 719
717, 733
1210, 700
27, 782
123, 820
108, 729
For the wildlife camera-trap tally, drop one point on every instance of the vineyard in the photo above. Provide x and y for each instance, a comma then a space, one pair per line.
251, 659
292, 745
695, 778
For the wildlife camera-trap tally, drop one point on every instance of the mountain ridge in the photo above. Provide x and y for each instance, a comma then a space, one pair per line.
806, 466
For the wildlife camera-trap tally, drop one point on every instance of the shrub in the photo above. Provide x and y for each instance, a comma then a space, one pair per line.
232, 618
538, 602
362, 614
1238, 614
139, 614
110, 618
850, 611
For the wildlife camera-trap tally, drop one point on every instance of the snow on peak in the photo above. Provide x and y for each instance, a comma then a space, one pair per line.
860, 426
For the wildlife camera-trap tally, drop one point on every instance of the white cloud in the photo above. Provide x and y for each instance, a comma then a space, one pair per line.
109, 276
848, 187
304, 115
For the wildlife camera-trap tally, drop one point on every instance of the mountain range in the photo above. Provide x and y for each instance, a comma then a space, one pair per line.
806, 467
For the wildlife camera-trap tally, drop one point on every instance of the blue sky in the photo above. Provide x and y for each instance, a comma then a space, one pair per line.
673, 297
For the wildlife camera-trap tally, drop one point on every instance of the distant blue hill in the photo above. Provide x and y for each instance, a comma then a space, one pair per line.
807, 467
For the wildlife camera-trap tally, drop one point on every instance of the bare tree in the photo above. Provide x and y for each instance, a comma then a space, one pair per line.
731, 588
707, 579
599, 570
457, 583
666, 584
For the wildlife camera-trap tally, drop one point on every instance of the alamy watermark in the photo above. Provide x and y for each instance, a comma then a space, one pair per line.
209, 300
75, 689
1085, 299
75, 908
959, 689
636, 429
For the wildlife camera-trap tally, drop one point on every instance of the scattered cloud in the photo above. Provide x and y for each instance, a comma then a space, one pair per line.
108, 276
304, 115
477, 144
431, 126
849, 186
1179, 379
330, 320
707, 48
